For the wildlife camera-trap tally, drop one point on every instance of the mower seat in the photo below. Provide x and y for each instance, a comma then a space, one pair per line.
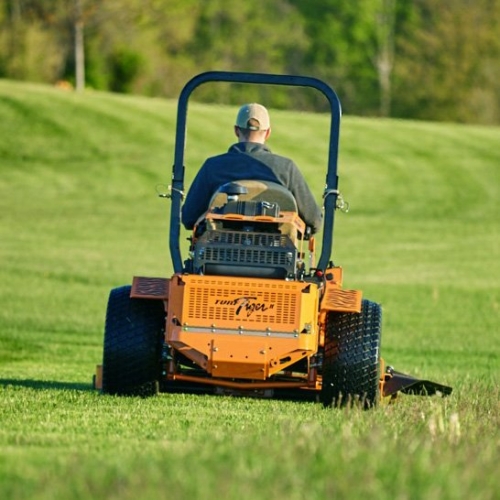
253, 190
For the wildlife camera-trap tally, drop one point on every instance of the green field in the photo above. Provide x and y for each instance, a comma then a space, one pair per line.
80, 215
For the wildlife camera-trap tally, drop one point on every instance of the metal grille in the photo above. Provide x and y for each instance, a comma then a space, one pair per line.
249, 304
245, 238
265, 250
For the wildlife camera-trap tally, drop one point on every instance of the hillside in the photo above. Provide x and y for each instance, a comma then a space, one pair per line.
80, 215
79, 174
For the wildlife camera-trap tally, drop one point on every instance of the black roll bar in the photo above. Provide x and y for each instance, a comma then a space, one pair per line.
331, 188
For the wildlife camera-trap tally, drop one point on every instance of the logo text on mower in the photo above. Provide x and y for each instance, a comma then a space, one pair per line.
246, 304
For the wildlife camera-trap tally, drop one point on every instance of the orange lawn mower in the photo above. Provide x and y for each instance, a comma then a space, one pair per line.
249, 312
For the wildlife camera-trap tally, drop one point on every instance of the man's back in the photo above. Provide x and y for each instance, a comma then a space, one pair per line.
253, 161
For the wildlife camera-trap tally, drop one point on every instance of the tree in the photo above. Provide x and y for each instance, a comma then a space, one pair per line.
447, 55
343, 49
79, 46
261, 36
419, 58
29, 47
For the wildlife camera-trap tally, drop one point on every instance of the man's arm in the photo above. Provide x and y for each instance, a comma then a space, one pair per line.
306, 203
197, 200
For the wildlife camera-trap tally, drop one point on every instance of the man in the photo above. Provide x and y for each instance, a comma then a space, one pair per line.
250, 159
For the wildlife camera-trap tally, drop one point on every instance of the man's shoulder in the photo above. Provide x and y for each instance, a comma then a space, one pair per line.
282, 161
218, 159
259, 152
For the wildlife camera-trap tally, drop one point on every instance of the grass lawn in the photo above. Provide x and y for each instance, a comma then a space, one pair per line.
79, 215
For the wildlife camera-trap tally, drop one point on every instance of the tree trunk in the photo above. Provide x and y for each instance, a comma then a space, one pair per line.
385, 22
79, 48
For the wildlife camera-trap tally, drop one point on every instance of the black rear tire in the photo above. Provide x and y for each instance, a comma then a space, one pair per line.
351, 359
133, 340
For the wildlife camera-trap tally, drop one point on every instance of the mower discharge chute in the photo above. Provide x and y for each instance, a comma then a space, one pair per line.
249, 312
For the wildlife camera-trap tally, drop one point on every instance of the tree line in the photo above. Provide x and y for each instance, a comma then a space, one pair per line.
418, 59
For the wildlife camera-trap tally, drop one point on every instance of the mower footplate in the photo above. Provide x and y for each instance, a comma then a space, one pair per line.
395, 382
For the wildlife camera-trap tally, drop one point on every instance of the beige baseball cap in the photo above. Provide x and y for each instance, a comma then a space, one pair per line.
256, 112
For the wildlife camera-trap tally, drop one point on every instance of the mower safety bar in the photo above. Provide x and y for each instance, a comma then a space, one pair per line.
261, 79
